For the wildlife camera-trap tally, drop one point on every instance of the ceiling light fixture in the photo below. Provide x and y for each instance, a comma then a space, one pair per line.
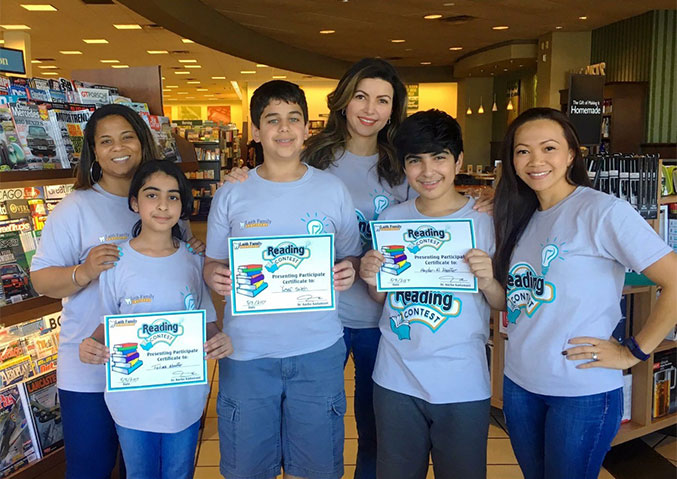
119, 66
187, 61
510, 107
279, 77
236, 87
261, 65
95, 40
480, 110
182, 93
494, 107
187, 40
468, 111
157, 52
426, 63
247, 72
193, 82
109, 61
15, 27
202, 89
455, 49
192, 66
327, 32
558, 27
36, 61
32, 7
500, 27
127, 26
218, 78
583, 18
50, 73
171, 86
48, 67
398, 41
448, 4
70, 52
433, 16
181, 73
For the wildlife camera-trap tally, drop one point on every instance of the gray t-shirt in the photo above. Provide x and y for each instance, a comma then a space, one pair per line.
433, 343
146, 284
258, 207
566, 279
371, 198
82, 220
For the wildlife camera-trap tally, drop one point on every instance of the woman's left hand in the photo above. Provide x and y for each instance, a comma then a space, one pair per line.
196, 246
344, 275
218, 346
600, 353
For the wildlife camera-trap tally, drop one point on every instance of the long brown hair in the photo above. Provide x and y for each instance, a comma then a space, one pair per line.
85, 169
322, 149
515, 202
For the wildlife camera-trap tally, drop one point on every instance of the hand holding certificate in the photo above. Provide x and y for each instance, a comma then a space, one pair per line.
155, 350
279, 274
424, 255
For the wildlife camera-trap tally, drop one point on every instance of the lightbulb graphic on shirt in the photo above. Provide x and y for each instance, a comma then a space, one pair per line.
315, 227
380, 204
188, 300
548, 254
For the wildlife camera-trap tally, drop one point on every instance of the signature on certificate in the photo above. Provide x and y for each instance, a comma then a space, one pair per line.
185, 375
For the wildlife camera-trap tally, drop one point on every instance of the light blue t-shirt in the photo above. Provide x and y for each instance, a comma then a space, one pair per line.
258, 207
433, 342
146, 284
82, 220
371, 198
566, 280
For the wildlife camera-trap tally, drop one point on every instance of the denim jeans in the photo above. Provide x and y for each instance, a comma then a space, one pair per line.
91, 443
558, 437
363, 344
154, 455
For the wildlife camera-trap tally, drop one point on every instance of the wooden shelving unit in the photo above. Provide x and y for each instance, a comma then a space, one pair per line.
668, 199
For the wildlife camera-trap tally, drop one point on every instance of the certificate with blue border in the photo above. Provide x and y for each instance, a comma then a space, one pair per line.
155, 350
281, 274
424, 255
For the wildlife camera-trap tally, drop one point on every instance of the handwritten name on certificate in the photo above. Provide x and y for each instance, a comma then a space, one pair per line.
280, 274
424, 255
155, 350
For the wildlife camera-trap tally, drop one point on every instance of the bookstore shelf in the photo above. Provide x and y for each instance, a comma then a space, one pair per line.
52, 465
668, 199
632, 430
28, 309
666, 345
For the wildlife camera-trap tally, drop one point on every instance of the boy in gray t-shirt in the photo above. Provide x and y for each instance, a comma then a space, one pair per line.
281, 397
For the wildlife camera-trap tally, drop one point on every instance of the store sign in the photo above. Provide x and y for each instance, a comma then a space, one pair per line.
12, 61
586, 94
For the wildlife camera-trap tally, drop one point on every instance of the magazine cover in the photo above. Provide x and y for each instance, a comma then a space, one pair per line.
33, 132
16, 285
45, 411
71, 125
12, 156
16, 370
96, 96
160, 127
18, 442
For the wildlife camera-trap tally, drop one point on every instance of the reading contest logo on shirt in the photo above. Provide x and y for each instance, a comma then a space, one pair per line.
285, 253
314, 224
425, 237
430, 308
159, 331
380, 201
528, 290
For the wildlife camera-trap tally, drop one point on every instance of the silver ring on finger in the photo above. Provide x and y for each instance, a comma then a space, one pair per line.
595, 357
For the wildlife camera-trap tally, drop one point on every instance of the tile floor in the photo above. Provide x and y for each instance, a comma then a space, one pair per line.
501, 462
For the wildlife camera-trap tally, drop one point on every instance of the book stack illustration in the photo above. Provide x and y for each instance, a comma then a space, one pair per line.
126, 358
250, 280
395, 259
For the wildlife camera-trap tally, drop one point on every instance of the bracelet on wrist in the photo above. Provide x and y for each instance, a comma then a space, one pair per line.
75, 281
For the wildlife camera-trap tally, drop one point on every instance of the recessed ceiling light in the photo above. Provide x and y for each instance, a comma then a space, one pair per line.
583, 18
211, 94
500, 27
192, 66
193, 82
433, 16
558, 27
2, 42
182, 93
181, 73
505, 69
48, 67
455, 49
426, 63
171, 86
218, 78
398, 41
157, 52
187, 61
190, 98
120, 66
279, 77
261, 65
49, 73
36, 61
202, 89
127, 26
95, 40
15, 27
448, 4
165, 89
327, 32
38, 8
70, 52
109, 61
187, 40
247, 72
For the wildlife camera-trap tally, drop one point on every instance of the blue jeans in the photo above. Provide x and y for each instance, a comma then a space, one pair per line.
91, 443
363, 344
558, 437
154, 455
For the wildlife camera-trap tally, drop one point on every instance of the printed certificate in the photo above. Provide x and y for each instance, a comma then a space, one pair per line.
280, 274
155, 350
424, 255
